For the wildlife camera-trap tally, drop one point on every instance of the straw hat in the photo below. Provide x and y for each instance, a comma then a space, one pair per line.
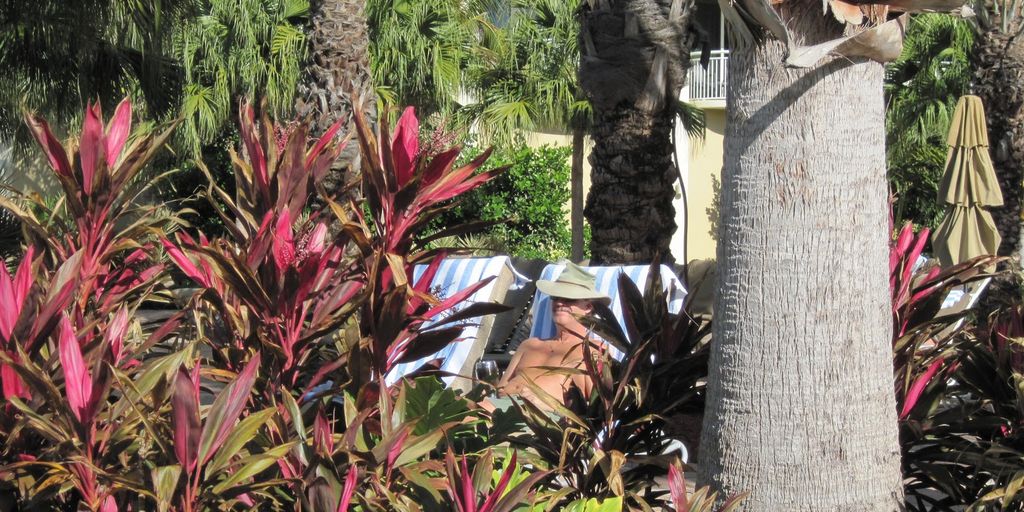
573, 283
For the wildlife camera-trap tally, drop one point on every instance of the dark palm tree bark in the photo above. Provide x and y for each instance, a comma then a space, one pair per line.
635, 54
337, 77
999, 65
576, 195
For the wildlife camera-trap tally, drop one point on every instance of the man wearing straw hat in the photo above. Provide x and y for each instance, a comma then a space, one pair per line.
573, 295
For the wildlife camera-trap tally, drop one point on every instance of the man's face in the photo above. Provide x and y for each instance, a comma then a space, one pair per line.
568, 310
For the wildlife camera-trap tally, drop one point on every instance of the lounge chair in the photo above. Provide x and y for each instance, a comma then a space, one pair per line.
453, 275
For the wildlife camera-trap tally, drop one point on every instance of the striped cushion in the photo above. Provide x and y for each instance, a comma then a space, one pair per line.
453, 275
607, 283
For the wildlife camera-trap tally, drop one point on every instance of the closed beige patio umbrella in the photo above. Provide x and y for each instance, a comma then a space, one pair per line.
968, 187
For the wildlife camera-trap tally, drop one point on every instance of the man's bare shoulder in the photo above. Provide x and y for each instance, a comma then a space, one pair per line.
547, 346
532, 344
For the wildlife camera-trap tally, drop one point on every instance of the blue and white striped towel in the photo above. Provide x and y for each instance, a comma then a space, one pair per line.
607, 283
454, 275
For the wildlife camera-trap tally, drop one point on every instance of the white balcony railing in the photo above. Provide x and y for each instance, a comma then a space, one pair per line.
708, 84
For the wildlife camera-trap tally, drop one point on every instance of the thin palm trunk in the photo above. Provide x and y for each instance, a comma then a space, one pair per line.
800, 407
634, 61
576, 196
337, 76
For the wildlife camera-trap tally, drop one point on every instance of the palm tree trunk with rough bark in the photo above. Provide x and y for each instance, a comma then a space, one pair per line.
576, 196
337, 77
800, 407
999, 65
635, 54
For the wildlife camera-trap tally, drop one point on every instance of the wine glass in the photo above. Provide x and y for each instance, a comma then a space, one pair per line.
486, 371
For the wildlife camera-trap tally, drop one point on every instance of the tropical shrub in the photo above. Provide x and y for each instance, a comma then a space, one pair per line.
70, 422
93, 403
267, 389
528, 203
955, 383
925, 341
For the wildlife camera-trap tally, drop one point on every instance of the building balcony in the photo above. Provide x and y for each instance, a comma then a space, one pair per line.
706, 87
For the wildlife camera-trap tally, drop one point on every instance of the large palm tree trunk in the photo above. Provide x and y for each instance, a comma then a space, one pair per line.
634, 60
337, 76
999, 65
800, 407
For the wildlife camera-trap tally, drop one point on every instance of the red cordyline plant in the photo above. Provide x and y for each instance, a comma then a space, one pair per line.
404, 191
702, 500
278, 283
100, 219
66, 425
94, 408
13, 297
923, 340
28, 314
30, 384
208, 470
475, 492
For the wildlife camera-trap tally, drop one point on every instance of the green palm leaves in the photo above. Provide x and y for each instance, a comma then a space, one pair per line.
524, 78
237, 47
500, 69
419, 48
922, 87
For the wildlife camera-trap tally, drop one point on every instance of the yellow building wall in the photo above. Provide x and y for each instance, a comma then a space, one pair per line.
703, 187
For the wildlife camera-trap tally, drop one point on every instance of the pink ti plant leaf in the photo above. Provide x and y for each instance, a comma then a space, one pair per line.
405, 146
115, 333
350, 486
11, 383
440, 165
914, 394
322, 143
315, 245
186, 265
13, 292
677, 488
322, 435
91, 146
55, 153
78, 381
257, 158
109, 505
185, 419
468, 491
117, 131
396, 448
903, 241
226, 409
492, 500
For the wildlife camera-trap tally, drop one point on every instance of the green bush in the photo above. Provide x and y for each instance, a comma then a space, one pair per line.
531, 200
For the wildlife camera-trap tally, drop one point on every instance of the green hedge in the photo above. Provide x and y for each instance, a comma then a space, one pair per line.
531, 199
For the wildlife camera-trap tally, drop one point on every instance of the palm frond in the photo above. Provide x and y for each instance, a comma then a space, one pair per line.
237, 48
693, 120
